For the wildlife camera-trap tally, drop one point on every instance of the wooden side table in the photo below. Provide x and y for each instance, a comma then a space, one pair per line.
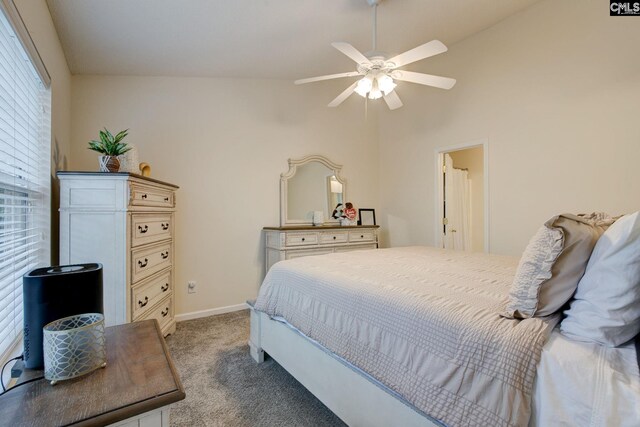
136, 388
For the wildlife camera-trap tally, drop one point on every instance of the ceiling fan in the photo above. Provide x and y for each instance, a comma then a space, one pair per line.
379, 73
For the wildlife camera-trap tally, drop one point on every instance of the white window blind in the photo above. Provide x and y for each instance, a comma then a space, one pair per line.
24, 178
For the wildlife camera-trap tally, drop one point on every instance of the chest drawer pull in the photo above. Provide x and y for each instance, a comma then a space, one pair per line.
303, 239
165, 226
144, 196
143, 264
142, 304
334, 237
165, 288
144, 229
165, 255
166, 199
362, 236
165, 312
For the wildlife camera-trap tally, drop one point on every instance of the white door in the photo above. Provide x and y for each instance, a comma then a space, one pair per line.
457, 207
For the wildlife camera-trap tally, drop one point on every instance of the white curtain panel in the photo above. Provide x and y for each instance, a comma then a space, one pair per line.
458, 207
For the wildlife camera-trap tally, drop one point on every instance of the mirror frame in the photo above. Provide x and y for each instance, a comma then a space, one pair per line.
293, 167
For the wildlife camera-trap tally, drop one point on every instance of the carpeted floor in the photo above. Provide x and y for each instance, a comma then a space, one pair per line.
225, 387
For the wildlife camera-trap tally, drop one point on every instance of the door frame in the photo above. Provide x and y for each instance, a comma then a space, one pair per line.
439, 194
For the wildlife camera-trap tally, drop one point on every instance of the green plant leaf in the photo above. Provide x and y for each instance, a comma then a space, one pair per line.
110, 145
120, 136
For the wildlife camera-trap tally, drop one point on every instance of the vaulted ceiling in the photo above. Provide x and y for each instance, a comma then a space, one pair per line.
281, 39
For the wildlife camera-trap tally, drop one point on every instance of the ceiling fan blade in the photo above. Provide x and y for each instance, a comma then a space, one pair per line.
327, 77
393, 100
424, 79
351, 52
434, 47
344, 95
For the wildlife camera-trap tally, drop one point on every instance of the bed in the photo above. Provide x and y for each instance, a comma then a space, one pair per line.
413, 336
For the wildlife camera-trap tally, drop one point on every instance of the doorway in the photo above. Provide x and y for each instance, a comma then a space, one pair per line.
462, 216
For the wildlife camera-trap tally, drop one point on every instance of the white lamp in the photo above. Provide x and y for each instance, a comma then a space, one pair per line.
374, 87
385, 83
364, 86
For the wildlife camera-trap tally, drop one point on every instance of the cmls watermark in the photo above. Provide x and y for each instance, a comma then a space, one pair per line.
624, 8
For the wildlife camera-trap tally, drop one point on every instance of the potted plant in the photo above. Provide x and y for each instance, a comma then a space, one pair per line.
110, 147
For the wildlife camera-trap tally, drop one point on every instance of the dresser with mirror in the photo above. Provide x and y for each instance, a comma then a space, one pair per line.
313, 184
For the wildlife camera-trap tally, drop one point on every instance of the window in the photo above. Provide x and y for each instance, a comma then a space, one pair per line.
24, 176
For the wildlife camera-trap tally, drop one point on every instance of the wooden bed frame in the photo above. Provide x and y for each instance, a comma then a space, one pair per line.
355, 398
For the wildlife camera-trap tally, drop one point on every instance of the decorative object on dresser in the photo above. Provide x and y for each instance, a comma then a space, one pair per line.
136, 388
126, 222
311, 184
110, 147
366, 216
349, 215
295, 242
145, 169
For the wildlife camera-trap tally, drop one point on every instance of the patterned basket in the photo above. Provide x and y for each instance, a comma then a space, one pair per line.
74, 346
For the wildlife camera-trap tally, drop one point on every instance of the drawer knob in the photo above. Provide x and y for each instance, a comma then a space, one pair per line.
303, 239
165, 226
165, 288
334, 237
144, 229
166, 199
142, 304
144, 196
165, 312
362, 236
143, 264
165, 255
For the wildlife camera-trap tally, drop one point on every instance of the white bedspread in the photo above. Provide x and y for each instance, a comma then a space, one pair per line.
587, 385
424, 322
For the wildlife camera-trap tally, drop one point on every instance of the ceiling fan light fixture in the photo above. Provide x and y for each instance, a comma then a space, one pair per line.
386, 83
375, 92
364, 86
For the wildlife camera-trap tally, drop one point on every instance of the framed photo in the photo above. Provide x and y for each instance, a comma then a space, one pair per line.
367, 216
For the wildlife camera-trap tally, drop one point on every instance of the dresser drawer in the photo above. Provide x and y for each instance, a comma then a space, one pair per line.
150, 228
356, 247
308, 252
147, 293
362, 236
301, 239
334, 237
146, 195
146, 261
163, 312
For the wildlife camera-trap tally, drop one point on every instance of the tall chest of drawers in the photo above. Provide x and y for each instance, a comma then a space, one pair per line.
125, 222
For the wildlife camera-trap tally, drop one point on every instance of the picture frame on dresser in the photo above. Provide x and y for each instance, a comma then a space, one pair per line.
366, 216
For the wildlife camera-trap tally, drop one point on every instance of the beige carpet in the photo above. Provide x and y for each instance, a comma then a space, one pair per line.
225, 387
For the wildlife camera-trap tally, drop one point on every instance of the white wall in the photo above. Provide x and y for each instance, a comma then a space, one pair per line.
225, 143
555, 89
37, 19
472, 159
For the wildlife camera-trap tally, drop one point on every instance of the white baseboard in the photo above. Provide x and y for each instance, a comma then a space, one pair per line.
210, 312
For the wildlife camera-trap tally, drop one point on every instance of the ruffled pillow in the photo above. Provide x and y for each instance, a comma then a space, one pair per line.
553, 263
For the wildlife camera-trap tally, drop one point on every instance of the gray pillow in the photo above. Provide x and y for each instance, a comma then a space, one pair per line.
553, 263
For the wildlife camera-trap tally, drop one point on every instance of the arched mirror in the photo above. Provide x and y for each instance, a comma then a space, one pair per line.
311, 184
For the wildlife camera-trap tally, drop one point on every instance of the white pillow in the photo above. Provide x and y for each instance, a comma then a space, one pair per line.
606, 308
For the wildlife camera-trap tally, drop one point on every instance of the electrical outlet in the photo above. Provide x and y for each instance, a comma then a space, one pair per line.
191, 286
